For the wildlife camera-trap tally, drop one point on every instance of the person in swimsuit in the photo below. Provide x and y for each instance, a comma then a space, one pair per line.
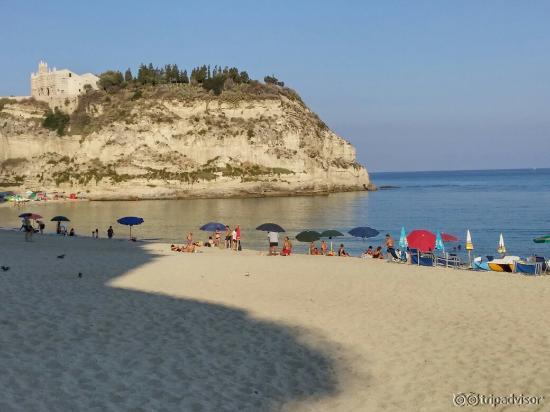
287, 247
342, 251
390, 245
324, 247
227, 237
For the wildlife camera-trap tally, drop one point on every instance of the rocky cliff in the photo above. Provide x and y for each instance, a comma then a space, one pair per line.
175, 141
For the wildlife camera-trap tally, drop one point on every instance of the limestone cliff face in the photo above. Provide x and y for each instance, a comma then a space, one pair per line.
177, 142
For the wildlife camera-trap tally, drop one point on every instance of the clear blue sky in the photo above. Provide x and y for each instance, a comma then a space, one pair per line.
414, 85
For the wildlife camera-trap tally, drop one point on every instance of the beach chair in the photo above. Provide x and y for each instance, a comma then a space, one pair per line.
543, 262
422, 259
528, 268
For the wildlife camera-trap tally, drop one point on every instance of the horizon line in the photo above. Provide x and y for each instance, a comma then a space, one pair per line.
459, 170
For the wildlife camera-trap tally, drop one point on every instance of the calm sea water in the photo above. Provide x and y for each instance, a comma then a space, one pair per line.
514, 202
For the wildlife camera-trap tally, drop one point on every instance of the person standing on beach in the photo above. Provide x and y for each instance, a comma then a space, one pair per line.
27, 227
234, 239
41, 226
189, 238
273, 242
390, 246
238, 238
110, 232
227, 237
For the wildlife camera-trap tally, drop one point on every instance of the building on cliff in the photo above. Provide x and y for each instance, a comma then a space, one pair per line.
59, 87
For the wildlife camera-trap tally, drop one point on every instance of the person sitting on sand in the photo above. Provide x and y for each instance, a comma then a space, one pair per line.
287, 247
378, 253
324, 247
71, 232
313, 250
210, 242
342, 251
367, 253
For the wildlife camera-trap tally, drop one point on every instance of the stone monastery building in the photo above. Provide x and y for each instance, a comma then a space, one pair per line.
55, 86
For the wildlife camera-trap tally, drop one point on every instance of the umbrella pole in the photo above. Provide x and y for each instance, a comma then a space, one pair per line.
130, 232
470, 258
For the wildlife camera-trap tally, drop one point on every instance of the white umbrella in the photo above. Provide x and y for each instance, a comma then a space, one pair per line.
469, 245
501, 247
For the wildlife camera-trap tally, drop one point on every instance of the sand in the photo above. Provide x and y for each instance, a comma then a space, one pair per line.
146, 329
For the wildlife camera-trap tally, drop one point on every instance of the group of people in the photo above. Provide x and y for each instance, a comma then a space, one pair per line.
29, 229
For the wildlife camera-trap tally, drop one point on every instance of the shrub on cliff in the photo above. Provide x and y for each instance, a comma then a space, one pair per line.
111, 80
56, 120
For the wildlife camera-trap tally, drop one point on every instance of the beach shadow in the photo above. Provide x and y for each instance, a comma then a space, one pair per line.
70, 343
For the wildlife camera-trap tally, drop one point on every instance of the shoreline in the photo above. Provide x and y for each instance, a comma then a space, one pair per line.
189, 196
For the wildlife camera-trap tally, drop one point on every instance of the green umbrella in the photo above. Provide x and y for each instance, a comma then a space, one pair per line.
542, 239
308, 236
331, 233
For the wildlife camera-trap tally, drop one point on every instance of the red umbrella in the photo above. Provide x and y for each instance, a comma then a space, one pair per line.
423, 240
445, 237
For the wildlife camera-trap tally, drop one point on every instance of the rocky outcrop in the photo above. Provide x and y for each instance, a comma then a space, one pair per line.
175, 142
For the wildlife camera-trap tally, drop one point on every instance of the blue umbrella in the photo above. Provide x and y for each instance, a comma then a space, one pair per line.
130, 221
364, 232
270, 227
403, 243
212, 227
439, 242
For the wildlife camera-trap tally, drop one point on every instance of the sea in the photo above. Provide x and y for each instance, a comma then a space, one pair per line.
515, 203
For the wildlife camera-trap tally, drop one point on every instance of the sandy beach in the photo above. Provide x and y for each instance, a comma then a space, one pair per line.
146, 329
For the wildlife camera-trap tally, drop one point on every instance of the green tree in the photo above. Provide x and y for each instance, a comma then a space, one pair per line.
56, 120
128, 76
110, 80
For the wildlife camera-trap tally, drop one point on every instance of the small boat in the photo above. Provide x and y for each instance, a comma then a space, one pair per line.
506, 264
482, 263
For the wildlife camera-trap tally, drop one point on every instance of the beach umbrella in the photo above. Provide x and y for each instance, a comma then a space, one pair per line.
501, 247
439, 242
270, 227
542, 239
423, 240
469, 245
130, 221
212, 227
308, 236
32, 216
364, 232
445, 237
403, 244
330, 234
59, 219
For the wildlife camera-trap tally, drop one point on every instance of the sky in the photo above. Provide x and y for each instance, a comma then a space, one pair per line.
413, 85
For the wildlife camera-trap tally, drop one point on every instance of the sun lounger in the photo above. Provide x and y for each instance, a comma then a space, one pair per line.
528, 268
422, 259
